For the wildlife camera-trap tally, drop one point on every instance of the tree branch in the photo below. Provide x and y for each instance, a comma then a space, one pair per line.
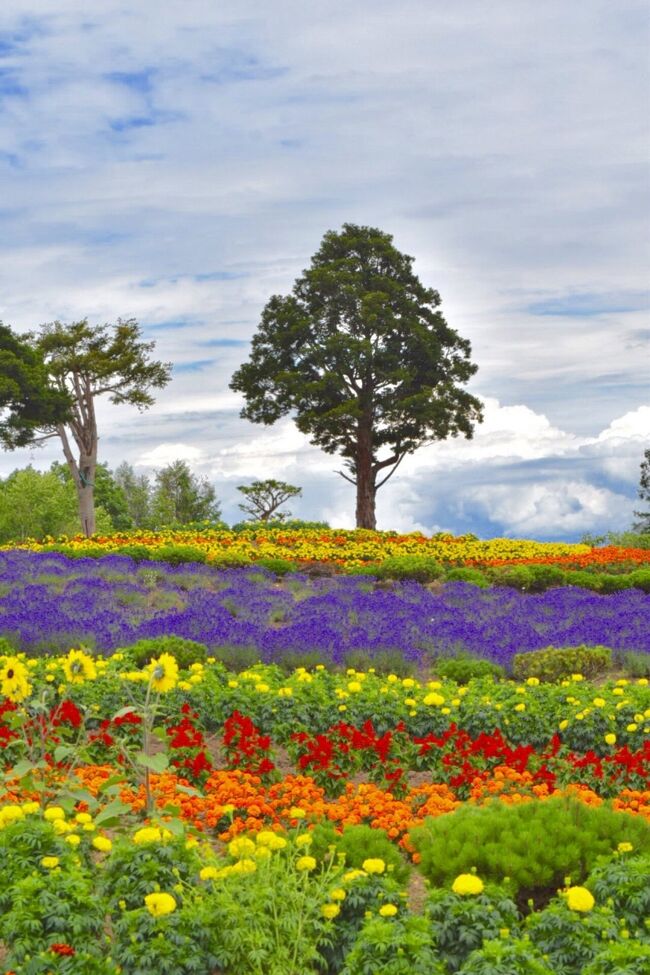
346, 477
391, 472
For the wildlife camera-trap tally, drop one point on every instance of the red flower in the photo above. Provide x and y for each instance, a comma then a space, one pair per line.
62, 949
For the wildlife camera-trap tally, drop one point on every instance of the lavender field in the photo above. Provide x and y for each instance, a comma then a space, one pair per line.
51, 603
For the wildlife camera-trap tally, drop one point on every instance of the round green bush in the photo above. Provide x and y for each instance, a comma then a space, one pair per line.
186, 652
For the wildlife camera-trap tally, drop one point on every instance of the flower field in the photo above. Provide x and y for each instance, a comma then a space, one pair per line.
217, 769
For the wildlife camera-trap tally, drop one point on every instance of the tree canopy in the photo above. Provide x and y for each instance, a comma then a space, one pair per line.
363, 358
264, 498
180, 497
643, 524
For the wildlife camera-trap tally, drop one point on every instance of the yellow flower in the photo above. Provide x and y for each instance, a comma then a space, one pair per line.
83, 818
303, 840
79, 667
579, 899
520, 707
49, 862
14, 682
296, 813
467, 883
338, 894
208, 873
73, 839
160, 904
329, 911
306, 863
433, 700
103, 844
632, 727
387, 910
146, 835
53, 813
624, 847
374, 865
532, 681
163, 673
610, 739
240, 847
244, 866
599, 702
563, 725
353, 875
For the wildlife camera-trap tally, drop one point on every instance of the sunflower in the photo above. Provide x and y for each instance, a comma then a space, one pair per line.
79, 667
14, 681
163, 673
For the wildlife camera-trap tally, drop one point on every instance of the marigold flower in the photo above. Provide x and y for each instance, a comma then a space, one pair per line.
624, 847
610, 739
306, 863
387, 910
338, 894
330, 911
159, 904
103, 844
374, 865
579, 899
208, 873
467, 883
49, 862
146, 835
52, 813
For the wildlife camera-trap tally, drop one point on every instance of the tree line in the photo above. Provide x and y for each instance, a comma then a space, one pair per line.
359, 354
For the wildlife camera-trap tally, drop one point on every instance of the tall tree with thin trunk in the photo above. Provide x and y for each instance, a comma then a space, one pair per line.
361, 355
264, 498
85, 362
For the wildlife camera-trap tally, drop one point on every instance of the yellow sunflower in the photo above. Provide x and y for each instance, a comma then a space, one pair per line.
163, 673
79, 667
14, 679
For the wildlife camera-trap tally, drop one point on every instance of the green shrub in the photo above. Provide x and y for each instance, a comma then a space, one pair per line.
358, 843
279, 567
180, 554
186, 652
236, 658
175, 944
399, 945
640, 579
132, 870
507, 956
384, 662
464, 668
624, 958
514, 576
417, 568
636, 663
536, 844
546, 577
460, 923
585, 579
555, 663
23, 844
624, 884
614, 583
473, 576
571, 939
139, 553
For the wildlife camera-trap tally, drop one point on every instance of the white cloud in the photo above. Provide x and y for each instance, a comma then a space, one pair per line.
167, 453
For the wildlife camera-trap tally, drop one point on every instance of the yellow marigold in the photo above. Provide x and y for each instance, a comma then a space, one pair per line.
83, 817
79, 667
387, 910
467, 883
610, 739
146, 835
242, 846
296, 813
53, 813
374, 865
163, 673
338, 894
624, 847
14, 682
49, 862
306, 863
208, 873
330, 911
244, 866
579, 899
160, 904
303, 840
433, 699
73, 839
11, 813
103, 844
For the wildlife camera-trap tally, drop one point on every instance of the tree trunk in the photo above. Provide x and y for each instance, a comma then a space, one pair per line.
86, 497
365, 479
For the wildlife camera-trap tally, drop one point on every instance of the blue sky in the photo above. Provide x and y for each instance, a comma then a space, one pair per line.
180, 162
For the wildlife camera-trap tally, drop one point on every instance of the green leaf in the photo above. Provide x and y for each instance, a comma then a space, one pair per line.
157, 763
111, 814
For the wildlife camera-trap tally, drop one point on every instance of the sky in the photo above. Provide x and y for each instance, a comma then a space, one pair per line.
179, 162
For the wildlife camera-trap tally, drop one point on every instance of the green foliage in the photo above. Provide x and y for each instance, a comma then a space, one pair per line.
506, 956
83, 962
186, 652
50, 906
361, 354
461, 923
417, 568
269, 922
175, 944
180, 497
530, 578
176, 554
23, 844
623, 958
464, 668
554, 663
358, 842
637, 664
535, 844
292, 525
473, 576
27, 400
640, 578
35, 504
624, 884
136, 489
643, 524
279, 567
571, 939
108, 495
399, 945
131, 871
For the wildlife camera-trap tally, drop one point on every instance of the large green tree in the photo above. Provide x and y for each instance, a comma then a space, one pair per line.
643, 524
34, 504
84, 362
180, 497
361, 355
28, 402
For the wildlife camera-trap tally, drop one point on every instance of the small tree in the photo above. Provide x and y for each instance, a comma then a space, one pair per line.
362, 356
83, 363
263, 498
137, 491
643, 525
181, 497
